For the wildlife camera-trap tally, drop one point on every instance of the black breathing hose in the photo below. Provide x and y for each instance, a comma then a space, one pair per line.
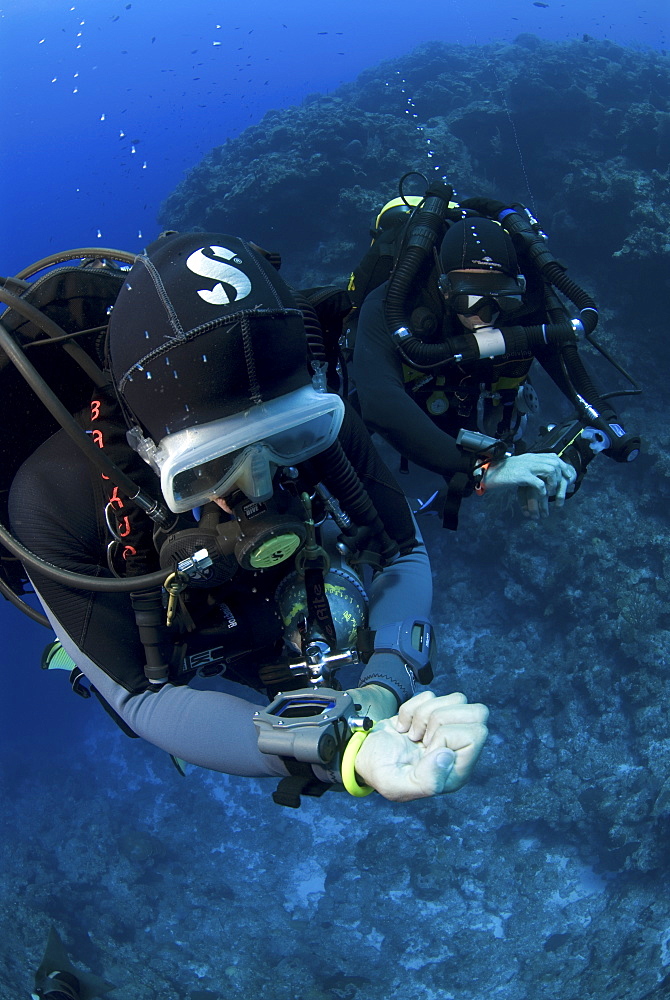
339, 475
427, 228
78, 581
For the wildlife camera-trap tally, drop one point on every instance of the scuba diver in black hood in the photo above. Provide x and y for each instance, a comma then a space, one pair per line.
444, 348
282, 525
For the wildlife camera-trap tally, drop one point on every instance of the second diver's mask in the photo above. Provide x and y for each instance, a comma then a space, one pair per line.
242, 451
482, 293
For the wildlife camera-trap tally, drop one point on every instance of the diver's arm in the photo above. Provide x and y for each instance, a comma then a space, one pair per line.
386, 406
207, 728
401, 590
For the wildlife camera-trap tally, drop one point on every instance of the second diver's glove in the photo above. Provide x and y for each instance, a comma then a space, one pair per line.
538, 477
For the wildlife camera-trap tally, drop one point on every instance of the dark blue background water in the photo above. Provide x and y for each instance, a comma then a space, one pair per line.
86, 83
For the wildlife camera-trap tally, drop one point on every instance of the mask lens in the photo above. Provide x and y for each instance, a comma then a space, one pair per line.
205, 479
469, 305
220, 474
472, 305
509, 303
303, 440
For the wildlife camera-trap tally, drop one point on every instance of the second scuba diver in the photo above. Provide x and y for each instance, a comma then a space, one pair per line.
442, 360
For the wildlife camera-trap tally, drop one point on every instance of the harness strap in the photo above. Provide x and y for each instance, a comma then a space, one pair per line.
300, 781
317, 604
460, 485
131, 551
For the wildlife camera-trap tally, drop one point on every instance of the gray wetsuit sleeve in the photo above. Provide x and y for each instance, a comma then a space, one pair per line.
209, 728
403, 589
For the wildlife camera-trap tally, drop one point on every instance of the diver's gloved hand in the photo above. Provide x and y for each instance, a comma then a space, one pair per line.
431, 746
538, 476
375, 701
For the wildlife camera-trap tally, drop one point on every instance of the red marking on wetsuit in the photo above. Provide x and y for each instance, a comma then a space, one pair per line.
116, 499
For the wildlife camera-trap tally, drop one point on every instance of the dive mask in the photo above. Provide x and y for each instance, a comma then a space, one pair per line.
468, 294
207, 461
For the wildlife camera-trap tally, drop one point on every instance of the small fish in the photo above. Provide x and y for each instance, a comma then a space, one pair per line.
537, 3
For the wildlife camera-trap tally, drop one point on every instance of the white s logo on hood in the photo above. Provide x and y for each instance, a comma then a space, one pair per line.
208, 268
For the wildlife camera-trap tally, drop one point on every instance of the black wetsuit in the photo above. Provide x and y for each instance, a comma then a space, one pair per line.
56, 509
396, 400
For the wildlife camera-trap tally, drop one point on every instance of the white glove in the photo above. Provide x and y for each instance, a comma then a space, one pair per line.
538, 477
429, 747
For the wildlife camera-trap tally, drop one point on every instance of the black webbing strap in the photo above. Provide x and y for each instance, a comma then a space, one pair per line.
300, 781
317, 605
460, 484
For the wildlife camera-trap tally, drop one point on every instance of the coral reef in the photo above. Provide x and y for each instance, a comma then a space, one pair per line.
580, 130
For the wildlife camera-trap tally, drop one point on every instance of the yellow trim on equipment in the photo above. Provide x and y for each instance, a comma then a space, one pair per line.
412, 200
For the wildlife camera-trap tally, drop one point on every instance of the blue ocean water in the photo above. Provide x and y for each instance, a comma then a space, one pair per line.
105, 105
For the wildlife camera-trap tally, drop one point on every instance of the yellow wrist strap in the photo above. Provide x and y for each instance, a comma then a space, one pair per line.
348, 768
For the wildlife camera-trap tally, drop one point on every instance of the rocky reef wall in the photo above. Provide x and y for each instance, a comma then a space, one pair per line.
579, 131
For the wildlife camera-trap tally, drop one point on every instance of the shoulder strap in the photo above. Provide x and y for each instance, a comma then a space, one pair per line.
131, 551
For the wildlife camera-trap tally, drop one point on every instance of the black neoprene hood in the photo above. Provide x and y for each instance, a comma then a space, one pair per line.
478, 244
203, 327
